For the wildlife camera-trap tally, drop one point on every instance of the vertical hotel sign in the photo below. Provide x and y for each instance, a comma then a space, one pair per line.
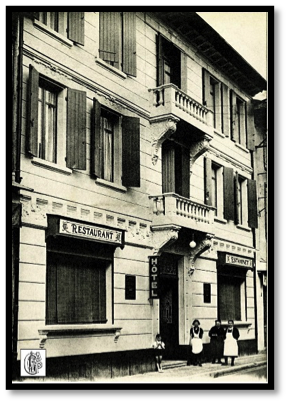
154, 273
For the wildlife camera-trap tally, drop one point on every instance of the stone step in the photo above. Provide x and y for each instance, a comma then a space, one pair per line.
170, 364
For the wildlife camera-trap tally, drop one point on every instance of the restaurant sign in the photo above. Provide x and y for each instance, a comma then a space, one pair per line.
90, 232
239, 261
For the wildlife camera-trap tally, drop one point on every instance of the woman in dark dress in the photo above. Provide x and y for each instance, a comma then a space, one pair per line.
217, 335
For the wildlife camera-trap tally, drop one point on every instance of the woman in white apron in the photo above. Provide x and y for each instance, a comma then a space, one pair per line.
231, 343
196, 335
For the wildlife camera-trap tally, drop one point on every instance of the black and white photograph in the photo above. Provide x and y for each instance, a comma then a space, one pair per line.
139, 144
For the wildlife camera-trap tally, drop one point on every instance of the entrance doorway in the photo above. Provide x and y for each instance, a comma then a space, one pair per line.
169, 307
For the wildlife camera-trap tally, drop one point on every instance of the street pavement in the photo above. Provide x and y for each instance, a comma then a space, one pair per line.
179, 372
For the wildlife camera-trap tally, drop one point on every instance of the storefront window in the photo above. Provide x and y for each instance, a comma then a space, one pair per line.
76, 290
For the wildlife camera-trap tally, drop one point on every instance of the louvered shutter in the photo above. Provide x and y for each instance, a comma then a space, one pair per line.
252, 204
233, 111
184, 72
76, 27
250, 127
76, 129
226, 110
237, 200
229, 205
185, 173
160, 58
207, 99
95, 140
130, 151
129, 43
208, 181
109, 37
32, 113
168, 167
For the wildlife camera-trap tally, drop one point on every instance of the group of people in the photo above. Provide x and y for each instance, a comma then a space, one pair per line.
223, 341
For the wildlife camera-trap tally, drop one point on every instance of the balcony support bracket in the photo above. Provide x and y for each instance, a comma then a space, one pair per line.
163, 237
198, 148
161, 129
202, 246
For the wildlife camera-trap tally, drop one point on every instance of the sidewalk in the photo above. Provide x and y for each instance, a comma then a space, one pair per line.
179, 372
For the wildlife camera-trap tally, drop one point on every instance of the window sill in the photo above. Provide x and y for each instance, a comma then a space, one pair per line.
219, 134
111, 185
110, 68
220, 220
242, 147
53, 33
74, 331
51, 166
241, 227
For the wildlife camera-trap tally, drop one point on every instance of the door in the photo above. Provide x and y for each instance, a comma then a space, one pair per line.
169, 324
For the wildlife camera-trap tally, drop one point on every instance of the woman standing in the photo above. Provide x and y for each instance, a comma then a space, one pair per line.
217, 334
231, 342
196, 335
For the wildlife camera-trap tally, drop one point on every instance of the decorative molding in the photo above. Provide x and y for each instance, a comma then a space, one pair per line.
201, 247
164, 236
199, 148
230, 160
161, 129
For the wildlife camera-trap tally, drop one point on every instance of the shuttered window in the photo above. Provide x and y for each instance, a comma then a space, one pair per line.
208, 181
76, 129
175, 169
169, 63
115, 148
117, 40
76, 290
238, 119
212, 98
250, 127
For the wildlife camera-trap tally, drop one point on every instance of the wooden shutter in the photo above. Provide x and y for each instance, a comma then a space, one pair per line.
237, 199
95, 166
109, 37
184, 72
130, 151
229, 205
129, 43
76, 27
160, 60
250, 126
168, 167
51, 296
226, 110
185, 172
206, 90
76, 129
32, 113
233, 112
208, 181
252, 204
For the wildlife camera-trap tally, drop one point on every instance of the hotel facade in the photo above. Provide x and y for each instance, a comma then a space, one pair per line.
135, 199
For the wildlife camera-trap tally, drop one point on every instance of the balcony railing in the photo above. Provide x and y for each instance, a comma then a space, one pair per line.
169, 99
176, 209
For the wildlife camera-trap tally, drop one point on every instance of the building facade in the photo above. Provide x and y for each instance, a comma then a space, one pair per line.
135, 198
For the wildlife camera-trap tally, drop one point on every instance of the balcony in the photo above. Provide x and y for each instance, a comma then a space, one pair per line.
173, 209
169, 100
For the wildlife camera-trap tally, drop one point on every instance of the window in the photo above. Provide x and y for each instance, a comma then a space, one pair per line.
70, 25
117, 45
169, 63
175, 169
241, 200
214, 186
238, 120
115, 147
47, 124
76, 290
130, 287
56, 122
232, 295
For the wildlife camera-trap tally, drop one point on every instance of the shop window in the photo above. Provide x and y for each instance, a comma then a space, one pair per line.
56, 122
169, 63
238, 119
76, 290
117, 45
70, 25
232, 296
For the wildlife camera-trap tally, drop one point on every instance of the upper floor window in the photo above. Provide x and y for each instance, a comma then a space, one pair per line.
238, 120
117, 40
241, 200
214, 186
68, 24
